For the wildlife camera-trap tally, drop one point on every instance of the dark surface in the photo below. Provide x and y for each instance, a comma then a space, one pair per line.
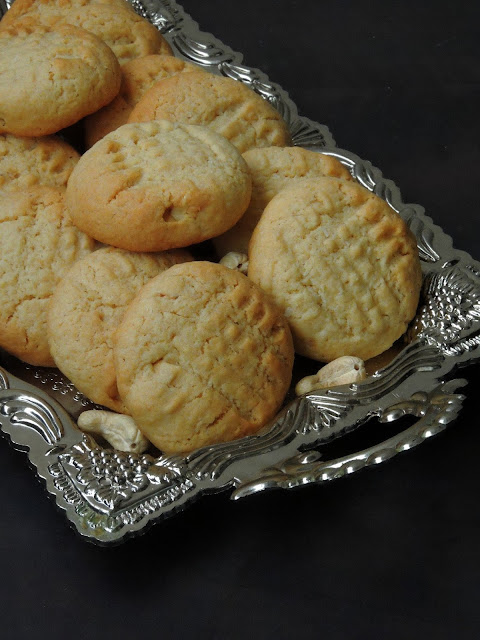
390, 553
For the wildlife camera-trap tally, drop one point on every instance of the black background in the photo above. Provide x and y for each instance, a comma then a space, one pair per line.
392, 552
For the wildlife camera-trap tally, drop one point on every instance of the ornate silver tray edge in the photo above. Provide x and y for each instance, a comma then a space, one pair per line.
108, 496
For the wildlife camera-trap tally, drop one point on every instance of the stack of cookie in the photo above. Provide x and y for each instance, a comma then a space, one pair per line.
97, 272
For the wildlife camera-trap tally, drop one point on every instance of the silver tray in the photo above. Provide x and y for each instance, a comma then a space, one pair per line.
108, 496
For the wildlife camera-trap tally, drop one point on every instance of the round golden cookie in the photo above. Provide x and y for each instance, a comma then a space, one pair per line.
46, 12
227, 106
138, 75
85, 310
274, 169
51, 78
126, 33
342, 265
202, 356
25, 162
158, 185
38, 243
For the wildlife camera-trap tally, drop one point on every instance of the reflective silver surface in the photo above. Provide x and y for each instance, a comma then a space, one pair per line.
109, 495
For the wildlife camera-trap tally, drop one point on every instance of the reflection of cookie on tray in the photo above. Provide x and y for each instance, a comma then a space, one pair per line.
202, 356
38, 243
274, 169
87, 306
158, 185
342, 265
51, 78
226, 105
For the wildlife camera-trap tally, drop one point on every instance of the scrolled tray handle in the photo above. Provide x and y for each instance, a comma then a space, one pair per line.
435, 411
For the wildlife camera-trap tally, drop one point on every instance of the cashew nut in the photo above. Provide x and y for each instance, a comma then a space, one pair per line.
235, 260
344, 370
117, 429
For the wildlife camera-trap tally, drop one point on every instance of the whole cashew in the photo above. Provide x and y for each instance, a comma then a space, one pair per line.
235, 260
343, 370
117, 429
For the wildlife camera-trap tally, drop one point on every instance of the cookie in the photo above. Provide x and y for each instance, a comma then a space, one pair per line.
228, 106
46, 12
138, 75
141, 74
26, 162
85, 310
342, 265
38, 243
126, 33
158, 185
274, 169
202, 356
51, 78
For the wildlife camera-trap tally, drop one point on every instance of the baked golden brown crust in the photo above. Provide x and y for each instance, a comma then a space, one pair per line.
202, 355
274, 169
138, 75
87, 306
127, 34
113, 21
342, 265
227, 106
51, 78
38, 243
46, 12
26, 162
154, 186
